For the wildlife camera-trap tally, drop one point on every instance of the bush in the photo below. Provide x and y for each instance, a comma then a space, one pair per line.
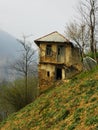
15, 93
90, 54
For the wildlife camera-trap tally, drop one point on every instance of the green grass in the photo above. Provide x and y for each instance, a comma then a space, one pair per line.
92, 120
70, 106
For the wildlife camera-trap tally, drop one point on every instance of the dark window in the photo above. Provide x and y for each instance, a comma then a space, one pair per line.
48, 73
60, 50
49, 50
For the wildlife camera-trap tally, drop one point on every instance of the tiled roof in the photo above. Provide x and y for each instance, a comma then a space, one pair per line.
52, 37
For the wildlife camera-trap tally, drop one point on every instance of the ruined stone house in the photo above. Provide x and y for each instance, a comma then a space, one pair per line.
59, 59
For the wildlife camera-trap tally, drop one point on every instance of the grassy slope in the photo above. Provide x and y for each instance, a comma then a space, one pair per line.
70, 106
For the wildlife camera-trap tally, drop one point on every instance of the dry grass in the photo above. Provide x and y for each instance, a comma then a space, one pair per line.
71, 106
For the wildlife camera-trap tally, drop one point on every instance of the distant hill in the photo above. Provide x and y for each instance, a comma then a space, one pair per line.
9, 46
72, 105
9, 50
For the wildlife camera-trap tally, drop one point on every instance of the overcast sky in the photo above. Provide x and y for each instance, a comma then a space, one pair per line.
37, 17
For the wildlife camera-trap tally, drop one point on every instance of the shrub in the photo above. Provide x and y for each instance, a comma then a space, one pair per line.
92, 55
15, 93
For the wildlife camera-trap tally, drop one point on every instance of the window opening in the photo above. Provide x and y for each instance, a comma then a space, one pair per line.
49, 50
60, 50
48, 73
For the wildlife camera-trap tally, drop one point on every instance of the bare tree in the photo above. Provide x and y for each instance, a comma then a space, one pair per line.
27, 64
78, 34
89, 10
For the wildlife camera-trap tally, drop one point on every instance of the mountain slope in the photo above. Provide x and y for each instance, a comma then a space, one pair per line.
8, 44
9, 52
70, 106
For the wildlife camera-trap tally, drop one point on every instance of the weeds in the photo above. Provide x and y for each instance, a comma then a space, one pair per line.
72, 126
92, 120
64, 107
75, 102
63, 126
77, 114
64, 113
46, 104
93, 99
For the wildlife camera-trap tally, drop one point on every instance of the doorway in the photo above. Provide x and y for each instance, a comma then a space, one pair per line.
58, 73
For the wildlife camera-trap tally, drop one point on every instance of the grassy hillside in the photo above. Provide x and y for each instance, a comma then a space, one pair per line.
70, 106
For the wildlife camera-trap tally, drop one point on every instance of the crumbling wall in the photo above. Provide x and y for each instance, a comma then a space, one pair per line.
47, 66
76, 58
46, 76
71, 71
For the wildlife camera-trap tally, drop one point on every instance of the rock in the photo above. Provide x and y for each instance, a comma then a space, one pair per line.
89, 63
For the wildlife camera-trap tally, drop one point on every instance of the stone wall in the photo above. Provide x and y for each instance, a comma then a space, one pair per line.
47, 65
46, 76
